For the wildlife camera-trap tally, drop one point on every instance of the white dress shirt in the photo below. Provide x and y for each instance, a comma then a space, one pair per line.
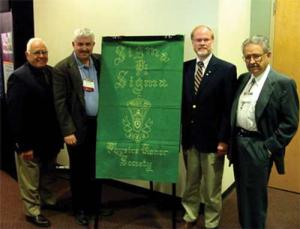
247, 101
205, 62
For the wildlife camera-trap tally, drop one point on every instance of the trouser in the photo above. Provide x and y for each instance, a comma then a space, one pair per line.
203, 182
251, 171
84, 187
35, 182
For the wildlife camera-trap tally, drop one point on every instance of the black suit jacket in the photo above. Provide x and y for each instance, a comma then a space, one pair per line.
31, 113
69, 96
276, 114
206, 115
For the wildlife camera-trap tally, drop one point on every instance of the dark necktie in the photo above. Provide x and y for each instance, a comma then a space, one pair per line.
250, 86
198, 76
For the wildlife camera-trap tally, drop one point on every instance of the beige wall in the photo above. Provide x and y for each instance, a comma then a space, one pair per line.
55, 21
233, 28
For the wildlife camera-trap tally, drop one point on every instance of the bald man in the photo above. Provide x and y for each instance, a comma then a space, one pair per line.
35, 130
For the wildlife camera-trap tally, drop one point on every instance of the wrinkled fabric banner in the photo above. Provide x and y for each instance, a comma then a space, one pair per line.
138, 133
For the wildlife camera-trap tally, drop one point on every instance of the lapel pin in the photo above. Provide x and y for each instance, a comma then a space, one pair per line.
207, 74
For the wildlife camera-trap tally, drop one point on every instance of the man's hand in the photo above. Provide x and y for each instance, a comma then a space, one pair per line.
70, 139
27, 155
222, 149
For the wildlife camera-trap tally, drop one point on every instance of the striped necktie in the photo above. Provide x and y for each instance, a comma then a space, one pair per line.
198, 76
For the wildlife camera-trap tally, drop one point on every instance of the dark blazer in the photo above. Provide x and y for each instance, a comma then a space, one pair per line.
31, 113
276, 114
69, 96
206, 115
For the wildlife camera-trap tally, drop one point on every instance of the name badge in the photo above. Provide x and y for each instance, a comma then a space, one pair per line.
88, 85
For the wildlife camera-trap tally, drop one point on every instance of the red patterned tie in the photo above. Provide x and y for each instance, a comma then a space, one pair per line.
198, 76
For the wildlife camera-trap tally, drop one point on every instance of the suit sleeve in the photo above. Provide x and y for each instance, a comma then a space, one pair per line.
17, 113
61, 93
288, 117
230, 82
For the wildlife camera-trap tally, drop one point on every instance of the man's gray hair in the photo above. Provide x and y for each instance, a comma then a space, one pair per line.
83, 32
31, 41
258, 40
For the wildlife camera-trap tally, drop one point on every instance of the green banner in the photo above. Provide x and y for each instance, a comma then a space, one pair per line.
138, 134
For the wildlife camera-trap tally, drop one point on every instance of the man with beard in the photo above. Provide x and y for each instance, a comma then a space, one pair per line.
208, 89
76, 92
35, 130
264, 118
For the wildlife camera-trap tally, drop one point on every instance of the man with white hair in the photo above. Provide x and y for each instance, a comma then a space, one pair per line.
76, 93
32, 119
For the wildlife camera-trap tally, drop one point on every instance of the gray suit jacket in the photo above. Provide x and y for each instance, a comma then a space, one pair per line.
69, 96
276, 114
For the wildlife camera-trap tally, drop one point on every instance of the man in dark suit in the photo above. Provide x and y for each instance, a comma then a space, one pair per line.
208, 88
76, 93
35, 130
264, 118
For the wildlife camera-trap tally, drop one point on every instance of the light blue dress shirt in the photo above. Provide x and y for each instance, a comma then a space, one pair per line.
91, 98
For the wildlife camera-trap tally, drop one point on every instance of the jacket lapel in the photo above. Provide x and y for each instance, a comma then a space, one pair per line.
210, 69
264, 96
76, 79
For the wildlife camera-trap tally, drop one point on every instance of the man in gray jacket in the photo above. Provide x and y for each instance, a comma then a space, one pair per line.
76, 92
264, 119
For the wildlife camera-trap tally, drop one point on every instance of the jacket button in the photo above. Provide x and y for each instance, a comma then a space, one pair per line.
194, 106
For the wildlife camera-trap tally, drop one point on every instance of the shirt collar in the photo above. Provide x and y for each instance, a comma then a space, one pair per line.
80, 64
206, 60
263, 75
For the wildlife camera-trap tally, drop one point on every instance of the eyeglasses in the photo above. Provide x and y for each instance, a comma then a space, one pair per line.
255, 57
204, 40
39, 52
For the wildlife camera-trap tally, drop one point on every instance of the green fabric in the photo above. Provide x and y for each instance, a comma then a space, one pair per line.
138, 129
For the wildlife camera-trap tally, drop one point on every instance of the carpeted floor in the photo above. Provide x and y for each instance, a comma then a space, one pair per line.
135, 209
